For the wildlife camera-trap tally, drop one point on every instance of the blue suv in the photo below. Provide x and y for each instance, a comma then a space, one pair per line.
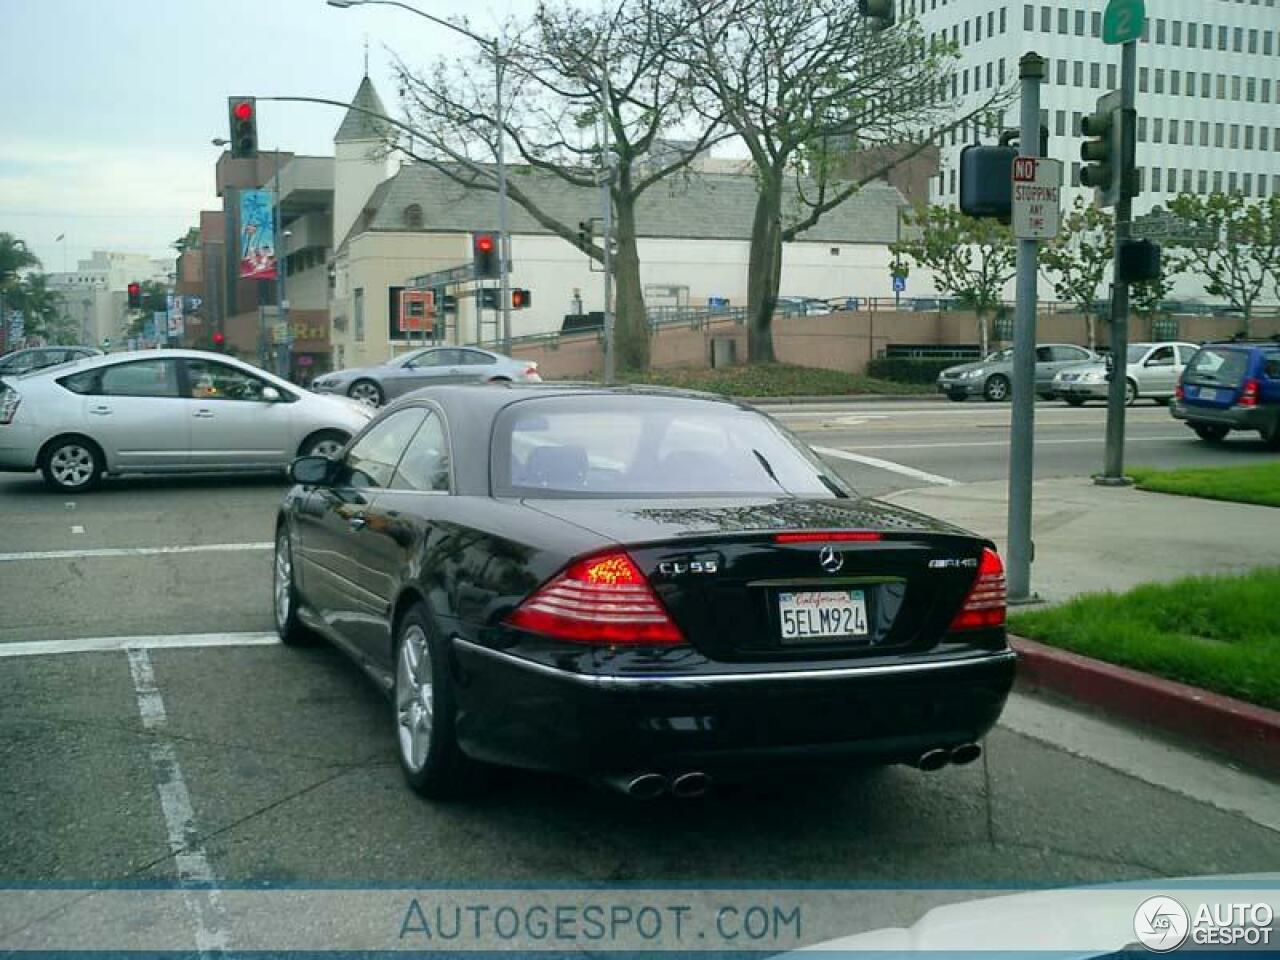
1232, 386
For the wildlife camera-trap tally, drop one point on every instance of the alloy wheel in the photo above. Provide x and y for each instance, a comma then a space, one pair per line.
283, 581
415, 698
366, 393
326, 447
72, 465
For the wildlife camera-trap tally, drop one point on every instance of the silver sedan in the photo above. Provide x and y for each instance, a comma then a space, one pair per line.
171, 411
1152, 371
426, 368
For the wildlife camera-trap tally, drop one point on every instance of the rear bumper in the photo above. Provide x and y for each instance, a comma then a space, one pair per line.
19, 446
522, 713
1235, 418
1084, 391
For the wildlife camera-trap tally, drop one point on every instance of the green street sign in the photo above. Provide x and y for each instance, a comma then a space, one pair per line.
1122, 23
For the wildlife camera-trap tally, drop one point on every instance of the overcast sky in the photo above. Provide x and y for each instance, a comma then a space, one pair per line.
111, 104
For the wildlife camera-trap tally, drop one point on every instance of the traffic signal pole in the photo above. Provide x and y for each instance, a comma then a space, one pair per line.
504, 237
1020, 551
1113, 467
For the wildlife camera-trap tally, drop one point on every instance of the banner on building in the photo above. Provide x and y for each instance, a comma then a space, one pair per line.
417, 311
257, 235
174, 316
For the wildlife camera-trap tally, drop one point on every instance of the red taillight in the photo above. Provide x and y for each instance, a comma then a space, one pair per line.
531, 370
1178, 392
1249, 394
601, 600
827, 536
985, 604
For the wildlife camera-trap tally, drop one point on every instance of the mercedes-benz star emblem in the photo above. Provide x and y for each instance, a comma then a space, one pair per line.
830, 560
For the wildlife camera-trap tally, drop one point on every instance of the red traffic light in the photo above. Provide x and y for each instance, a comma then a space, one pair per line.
243, 110
218, 339
134, 289
484, 242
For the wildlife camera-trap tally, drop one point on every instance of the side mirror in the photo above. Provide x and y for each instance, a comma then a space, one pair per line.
312, 471
271, 395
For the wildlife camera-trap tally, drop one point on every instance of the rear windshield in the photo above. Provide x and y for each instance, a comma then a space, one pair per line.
638, 446
1218, 365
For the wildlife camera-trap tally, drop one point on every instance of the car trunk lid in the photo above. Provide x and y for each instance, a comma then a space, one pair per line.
1215, 378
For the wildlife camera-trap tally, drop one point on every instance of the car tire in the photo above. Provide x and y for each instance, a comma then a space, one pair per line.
1271, 437
367, 392
1130, 393
1074, 401
323, 443
996, 389
1210, 432
72, 464
424, 711
284, 595
957, 397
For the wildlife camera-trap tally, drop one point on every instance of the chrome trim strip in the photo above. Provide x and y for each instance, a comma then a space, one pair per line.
604, 682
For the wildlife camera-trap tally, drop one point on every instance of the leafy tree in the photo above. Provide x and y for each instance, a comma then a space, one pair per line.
802, 83
1148, 299
573, 71
43, 310
971, 259
1077, 260
15, 257
1237, 252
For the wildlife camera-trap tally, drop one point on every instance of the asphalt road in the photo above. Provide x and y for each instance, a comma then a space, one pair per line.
286, 757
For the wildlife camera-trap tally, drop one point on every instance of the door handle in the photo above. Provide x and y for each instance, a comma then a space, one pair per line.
204, 414
100, 411
357, 522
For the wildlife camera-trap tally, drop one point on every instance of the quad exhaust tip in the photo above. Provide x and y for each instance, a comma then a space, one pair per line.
689, 785
645, 786
650, 786
965, 753
932, 760
939, 757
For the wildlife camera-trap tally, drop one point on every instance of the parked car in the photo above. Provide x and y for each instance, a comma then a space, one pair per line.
1232, 386
1152, 372
35, 358
992, 377
163, 412
651, 587
426, 368
802, 307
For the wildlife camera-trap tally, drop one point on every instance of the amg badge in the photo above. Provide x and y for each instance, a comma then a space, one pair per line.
954, 563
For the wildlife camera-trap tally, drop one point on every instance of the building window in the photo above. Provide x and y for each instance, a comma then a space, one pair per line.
1233, 182
1219, 134
1176, 34
1028, 17
1046, 20
1161, 33
1206, 85
1248, 137
990, 75
1193, 32
1253, 47
1266, 42
1175, 82
1075, 174
1095, 24
953, 181
1063, 17
1186, 181
1237, 40
1155, 180
357, 313
966, 33
1235, 89
991, 24
1004, 19
1248, 184
1062, 73
413, 216
1144, 79
1262, 184
1077, 73
1202, 182
1157, 130
1206, 40
1222, 38
1076, 118
1079, 23
1191, 83
1222, 86
1251, 90
1204, 133
1217, 181
1235, 136
1266, 90
1159, 80
1173, 180
1001, 71
1060, 124
1142, 129
1095, 75
1173, 131
1111, 76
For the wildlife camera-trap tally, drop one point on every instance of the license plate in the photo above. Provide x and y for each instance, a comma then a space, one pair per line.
822, 615
1208, 393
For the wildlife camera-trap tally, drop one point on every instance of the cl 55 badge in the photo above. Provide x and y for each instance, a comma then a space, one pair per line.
676, 568
953, 563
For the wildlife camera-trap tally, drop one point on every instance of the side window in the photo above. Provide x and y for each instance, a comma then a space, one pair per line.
372, 461
1069, 355
209, 380
1044, 354
141, 378
1271, 365
425, 465
442, 358
1163, 357
21, 363
1185, 353
474, 358
82, 383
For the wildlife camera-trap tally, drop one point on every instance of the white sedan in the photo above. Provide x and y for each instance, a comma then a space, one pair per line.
171, 411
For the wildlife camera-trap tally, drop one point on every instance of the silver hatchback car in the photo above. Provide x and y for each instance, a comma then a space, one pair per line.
426, 368
170, 411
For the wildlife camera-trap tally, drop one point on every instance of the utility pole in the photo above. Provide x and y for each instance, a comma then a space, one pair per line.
1031, 70
504, 238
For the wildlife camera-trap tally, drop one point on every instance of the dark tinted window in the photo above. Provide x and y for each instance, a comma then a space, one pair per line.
1044, 354
86, 382
620, 446
1218, 365
372, 461
1070, 354
1271, 364
425, 465
141, 378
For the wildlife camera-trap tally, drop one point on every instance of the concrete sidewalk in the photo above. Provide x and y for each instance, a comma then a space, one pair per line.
1090, 538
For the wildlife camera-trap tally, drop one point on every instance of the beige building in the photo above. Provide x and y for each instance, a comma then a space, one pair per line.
395, 222
95, 294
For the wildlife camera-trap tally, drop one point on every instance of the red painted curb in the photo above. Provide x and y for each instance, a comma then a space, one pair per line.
1242, 731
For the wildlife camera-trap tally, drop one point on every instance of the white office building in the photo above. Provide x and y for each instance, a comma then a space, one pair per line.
1208, 86
95, 295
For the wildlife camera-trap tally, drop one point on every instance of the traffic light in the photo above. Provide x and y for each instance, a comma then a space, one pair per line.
521, 299
1139, 261
986, 181
585, 233
219, 340
1109, 153
485, 255
242, 116
878, 12
135, 295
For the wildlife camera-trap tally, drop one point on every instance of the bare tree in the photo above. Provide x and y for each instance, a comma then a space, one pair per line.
1076, 261
574, 73
803, 83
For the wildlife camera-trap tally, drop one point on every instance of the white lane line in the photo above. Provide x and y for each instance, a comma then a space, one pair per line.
135, 551
180, 641
886, 465
1001, 443
195, 875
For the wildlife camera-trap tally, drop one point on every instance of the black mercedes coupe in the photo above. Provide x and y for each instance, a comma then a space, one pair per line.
650, 588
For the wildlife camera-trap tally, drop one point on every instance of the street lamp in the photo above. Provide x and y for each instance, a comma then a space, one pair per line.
499, 69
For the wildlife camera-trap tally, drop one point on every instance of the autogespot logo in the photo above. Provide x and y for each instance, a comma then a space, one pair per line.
1161, 924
